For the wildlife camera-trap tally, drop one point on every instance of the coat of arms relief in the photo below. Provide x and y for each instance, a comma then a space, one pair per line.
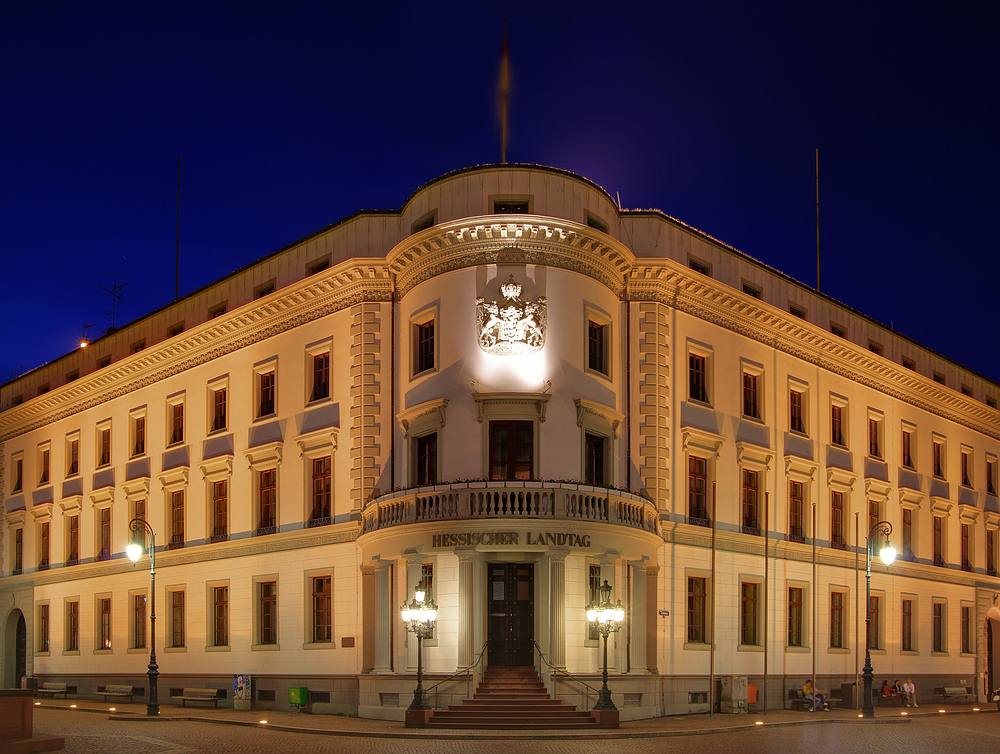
510, 326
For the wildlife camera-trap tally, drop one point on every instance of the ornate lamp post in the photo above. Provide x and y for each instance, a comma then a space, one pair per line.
888, 554
419, 616
607, 619
140, 528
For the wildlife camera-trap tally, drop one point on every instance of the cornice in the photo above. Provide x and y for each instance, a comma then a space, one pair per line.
351, 282
546, 241
667, 282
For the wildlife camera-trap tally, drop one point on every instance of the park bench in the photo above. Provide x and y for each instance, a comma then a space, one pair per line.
199, 695
51, 689
886, 701
954, 692
118, 692
801, 704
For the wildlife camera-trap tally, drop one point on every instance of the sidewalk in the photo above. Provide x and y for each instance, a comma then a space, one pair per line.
333, 725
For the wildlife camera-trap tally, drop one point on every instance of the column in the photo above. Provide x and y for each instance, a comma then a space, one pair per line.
466, 606
616, 642
383, 616
557, 607
414, 573
637, 617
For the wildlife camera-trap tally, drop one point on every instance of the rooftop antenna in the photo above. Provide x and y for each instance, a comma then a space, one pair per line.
817, 219
115, 298
84, 340
177, 265
504, 88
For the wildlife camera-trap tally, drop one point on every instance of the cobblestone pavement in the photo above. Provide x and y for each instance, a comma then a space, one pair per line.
92, 729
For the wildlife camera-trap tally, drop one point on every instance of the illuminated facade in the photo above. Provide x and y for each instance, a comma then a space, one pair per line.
510, 390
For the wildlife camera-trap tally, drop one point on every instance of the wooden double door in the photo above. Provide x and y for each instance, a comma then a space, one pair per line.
511, 611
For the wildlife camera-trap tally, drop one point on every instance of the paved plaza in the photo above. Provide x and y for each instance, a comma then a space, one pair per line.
92, 728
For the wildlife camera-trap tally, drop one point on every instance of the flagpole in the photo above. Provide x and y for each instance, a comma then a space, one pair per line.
504, 87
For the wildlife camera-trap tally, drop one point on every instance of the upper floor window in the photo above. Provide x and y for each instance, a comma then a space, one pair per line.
597, 353
219, 409
838, 435
595, 458
512, 450
937, 455
43, 462
266, 387
796, 511
104, 446
17, 481
795, 411
966, 468
837, 519
321, 488
138, 435
425, 449
698, 377
176, 423
750, 501
907, 448
700, 267
511, 207
874, 437
751, 290
424, 343
991, 476
320, 376
267, 501
697, 488
73, 456
751, 395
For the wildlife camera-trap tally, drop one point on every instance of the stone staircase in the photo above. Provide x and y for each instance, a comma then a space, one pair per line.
512, 698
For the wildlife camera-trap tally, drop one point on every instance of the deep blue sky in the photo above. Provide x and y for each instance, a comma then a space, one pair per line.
289, 116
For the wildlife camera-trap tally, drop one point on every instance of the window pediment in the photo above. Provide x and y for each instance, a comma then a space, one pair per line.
423, 417
263, 456
214, 469
940, 506
102, 498
876, 489
175, 479
591, 413
322, 442
841, 480
136, 489
800, 469
968, 514
753, 456
510, 405
16, 518
72, 504
699, 441
42, 513
910, 499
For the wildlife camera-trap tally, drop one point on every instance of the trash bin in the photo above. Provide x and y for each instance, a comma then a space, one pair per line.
298, 695
849, 695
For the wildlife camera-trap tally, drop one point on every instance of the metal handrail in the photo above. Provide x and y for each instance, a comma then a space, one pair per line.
560, 671
462, 671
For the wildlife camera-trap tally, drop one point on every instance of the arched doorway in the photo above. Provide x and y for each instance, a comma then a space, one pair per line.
992, 651
15, 650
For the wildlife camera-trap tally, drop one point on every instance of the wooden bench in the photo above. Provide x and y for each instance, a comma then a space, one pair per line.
199, 695
887, 701
954, 692
800, 703
51, 689
119, 692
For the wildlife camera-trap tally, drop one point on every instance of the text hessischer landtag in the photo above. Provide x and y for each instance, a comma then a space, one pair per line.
473, 538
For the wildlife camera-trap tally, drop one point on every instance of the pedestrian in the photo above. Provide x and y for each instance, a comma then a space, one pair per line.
910, 693
817, 697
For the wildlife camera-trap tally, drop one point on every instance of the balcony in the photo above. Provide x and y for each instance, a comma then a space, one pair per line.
510, 501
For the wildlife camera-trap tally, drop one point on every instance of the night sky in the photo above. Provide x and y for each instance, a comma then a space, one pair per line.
290, 116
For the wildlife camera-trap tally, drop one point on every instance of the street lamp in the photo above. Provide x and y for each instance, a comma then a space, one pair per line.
419, 616
140, 528
606, 619
888, 554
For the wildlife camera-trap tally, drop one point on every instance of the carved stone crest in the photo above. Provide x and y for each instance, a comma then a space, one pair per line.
510, 326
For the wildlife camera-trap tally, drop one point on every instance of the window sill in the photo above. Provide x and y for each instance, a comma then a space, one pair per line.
797, 650
799, 433
321, 401
754, 419
319, 645
699, 402
103, 651
265, 647
750, 648
838, 651
219, 431
175, 650
939, 654
71, 653
598, 373
42, 654
698, 646
218, 648
137, 651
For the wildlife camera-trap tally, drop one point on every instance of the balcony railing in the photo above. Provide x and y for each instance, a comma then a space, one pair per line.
512, 500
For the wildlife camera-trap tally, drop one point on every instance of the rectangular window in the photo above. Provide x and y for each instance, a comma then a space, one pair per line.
751, 403
907, 534
267, 502
320, 376
837, 620
104, 446
220, 510
966, 547
423, 343
966, 469
967, 642
427, 579
907, 626
139, 436
991, 552
593, 593
43, 628
139, 621
937, 612
220, 616
796, 511
837, 520
511, 450
73, 626
17, 482
697, 490
104, 550
596, 347
837, 436
73, 457
219, 412
991, 477
73, 540
938, 540
696, 609
796, 418
43, 546
875, 625
176, 423
18, 551
750, 503
139, 509
268, 612
104, 609
322, 627
321, 488
426, 452
265, 392
873, 514
751, 290
697, 378
874, 439
748, 613
43, 477
594, 459
794, 616
907, 449
177, 637
938, 456
177, 518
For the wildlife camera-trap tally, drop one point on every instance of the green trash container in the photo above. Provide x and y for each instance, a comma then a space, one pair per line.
298, 695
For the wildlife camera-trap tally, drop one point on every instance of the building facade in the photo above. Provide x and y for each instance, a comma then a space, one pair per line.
510, 390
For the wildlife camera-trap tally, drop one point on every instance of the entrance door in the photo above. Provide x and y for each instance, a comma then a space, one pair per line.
20, 650
511, 591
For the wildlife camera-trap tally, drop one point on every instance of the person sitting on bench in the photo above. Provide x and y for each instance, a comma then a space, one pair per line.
817, 697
